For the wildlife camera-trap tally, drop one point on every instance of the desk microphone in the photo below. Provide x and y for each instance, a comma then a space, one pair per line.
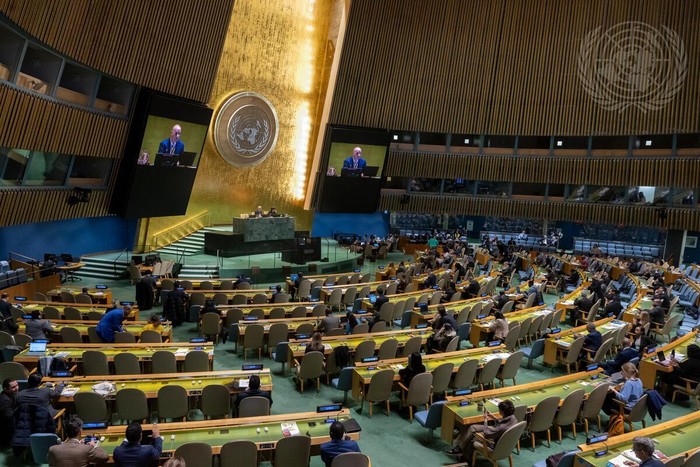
172, 441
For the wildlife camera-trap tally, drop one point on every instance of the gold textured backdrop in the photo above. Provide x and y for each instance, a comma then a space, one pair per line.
281, 49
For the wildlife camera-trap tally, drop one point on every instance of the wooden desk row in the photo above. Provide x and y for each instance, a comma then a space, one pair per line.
134, 327
650, 367
98, 296
28, 306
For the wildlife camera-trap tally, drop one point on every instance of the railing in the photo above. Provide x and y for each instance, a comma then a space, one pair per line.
181, 230
29, 263
114, 263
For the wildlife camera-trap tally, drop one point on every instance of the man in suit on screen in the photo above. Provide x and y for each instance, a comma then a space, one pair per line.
172, 145
355, 161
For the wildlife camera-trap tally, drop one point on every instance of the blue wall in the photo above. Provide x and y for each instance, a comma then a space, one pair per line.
74, 236
328, 224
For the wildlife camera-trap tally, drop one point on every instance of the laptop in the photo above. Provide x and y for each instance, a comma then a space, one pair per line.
187, 158
370, 171
372, 298
293, 277
346, 172
165, 160
37, 349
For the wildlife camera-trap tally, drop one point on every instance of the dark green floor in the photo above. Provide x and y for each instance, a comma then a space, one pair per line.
389, 440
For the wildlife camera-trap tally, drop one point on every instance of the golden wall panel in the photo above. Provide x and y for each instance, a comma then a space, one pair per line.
29, 121
280, 49
499, 67
178, 42
681, 219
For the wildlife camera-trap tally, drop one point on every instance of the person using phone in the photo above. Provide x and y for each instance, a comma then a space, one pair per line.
133, 453
75, 451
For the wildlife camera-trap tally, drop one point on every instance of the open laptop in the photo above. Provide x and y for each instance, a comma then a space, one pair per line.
37, 349
187, 158
165, 160
346, 172
370, 171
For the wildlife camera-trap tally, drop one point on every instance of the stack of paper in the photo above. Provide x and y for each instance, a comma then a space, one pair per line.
289, 429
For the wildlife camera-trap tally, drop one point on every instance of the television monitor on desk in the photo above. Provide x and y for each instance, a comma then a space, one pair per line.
166, 160
346, 172
370, 171
187, 159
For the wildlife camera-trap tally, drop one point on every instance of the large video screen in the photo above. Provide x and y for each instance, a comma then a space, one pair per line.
351, 177
161, 157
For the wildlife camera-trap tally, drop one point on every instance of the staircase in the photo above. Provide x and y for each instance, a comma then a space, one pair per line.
200, 271
187, 246
102, 268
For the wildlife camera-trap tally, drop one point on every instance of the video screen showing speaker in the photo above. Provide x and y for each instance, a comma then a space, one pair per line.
162, 154
353, 169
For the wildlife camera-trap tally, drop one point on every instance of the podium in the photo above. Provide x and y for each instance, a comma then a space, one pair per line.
264, 228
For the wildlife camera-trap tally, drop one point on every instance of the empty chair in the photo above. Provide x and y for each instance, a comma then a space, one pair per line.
511, 339
277, 333
281, 354
172, 403
150, 337
84, 299
412, 345
465, 374
39, 297
67, 297
13, 370
126, 363
453, 345
568, 412
542, 418
259, 298
510, 368
163, 361
239, 299
317, 310
277, 313
593, 405
502, 449
70, 335
40, 443
132, 405
343, 382
51, 313
305, 328
379, 389
22, 340
94, 315
488, 373
351, 459
95, 363
418, 392
335, 299
253, 338
254, 406
197, 299
363, 350
91, 407
124, 338
72, 313
196, 360
379, 327
216, 401
431, 418
311, 367
195, 454
388, 349
241, 453
571, 356
293, 451
441, 378
220, 298
362, 328
211, 326
534, 352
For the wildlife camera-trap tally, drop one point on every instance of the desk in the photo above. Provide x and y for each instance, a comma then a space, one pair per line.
418, 317
649, 366
567, 301
482, 256
480, 328
99, 296
419, 280
249, 294
150, 384
144, 352
256, 229
674, 437
453, 414
267, 308
362, 375
28, 306
327, 290
564, 339
219, 432
69, 270
133, 327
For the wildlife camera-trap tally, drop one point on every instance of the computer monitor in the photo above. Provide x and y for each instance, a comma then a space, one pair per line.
347, 172
166, 160
370, 171
187, 159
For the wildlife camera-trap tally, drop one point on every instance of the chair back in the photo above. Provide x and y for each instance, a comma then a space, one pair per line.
463, 313
172, 402
380, 386
335, 297
441, 377
40, 444
206, 285
511, 366
336, 332
70, 335
151, 337
508, 307
379, 327
412, 345
568, 412
305, 328
124, 338
278, 333
126, 363
388, 349
95, 363
94, 315
91, 407
524, 328
507, 442
362, 328
72, 313
93, 337
639, 410
163, 361
22, 340
304, 289
293, 451
364, 349
693, 460
349, 296
241, 453
386, 311
511, 340
556, 319
195, 454
220, 298
452, 345
317, 310
351, 459
574, 350
344, 382
535, 326
84, 299
67, 297
489, 371
433, 419
239, 299
254, 406
211, 324
51, 313
132, 404
311, 366
216, 401
466, 374
6, 338
277, 313
594, 402
543, 415
603, 350
196, 360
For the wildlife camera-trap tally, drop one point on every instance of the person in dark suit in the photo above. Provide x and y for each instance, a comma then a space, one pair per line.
278, 290
134, 454
430, 281
471, 290
501, 301
640, 341
463, 446
657, 313
644, 449
8, 402
355, 161
689, 368
592, 342
381, 299
252, 390
74, 452
582, 305
35, 395
172, 145
259, 212
338, 444
623, 356
415, 367
613, 307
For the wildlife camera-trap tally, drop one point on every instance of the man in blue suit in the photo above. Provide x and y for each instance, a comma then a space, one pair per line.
355, 161
134, 454
338, 444
623, 356
172, 145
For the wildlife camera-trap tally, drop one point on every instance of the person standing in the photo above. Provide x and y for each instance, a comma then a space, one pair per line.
74, 451
111, 323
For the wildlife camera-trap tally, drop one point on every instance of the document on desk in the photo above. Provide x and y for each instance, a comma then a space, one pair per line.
181, 352
290, 429
69, 392
495, 401
243, 383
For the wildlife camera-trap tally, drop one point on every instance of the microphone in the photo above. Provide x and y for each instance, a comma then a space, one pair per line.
172, 441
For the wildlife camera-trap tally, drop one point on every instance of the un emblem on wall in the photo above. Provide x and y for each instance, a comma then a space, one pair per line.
245, 129
632, 64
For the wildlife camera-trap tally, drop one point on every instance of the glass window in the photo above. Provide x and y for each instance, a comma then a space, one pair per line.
13, 163
684, 197
459, 185
89, 171
606, 194
493, 189
47, 168
10, 52
426, 185
578, 193
529, 189
556, 191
